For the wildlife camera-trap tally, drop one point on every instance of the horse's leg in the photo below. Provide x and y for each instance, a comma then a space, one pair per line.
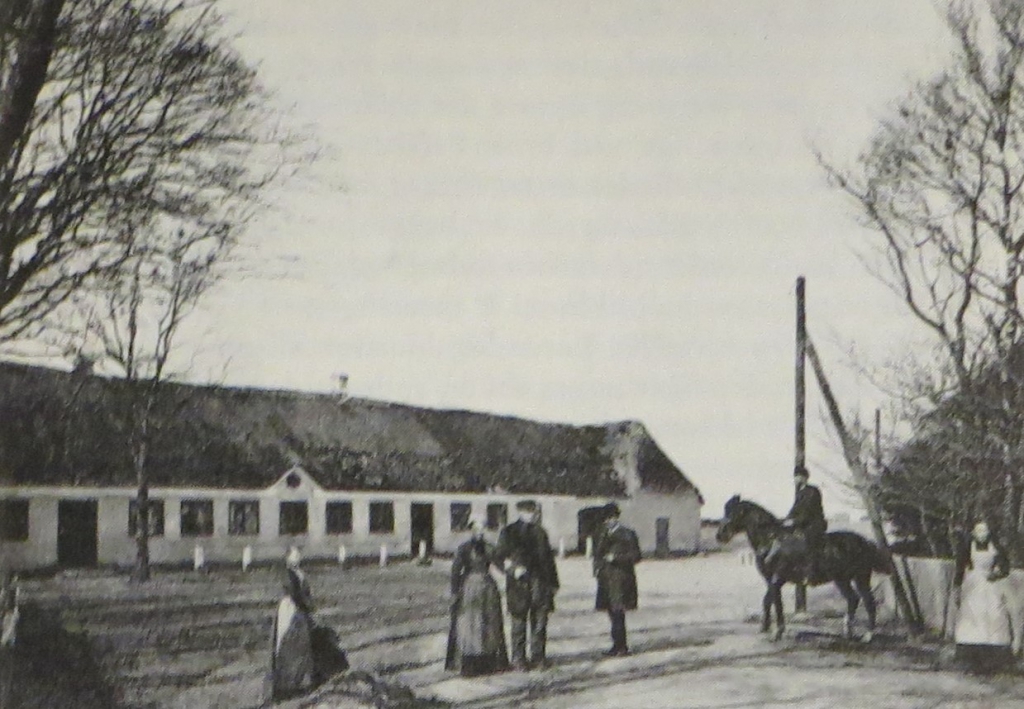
863, 583
766, 608
852, 599
780, 617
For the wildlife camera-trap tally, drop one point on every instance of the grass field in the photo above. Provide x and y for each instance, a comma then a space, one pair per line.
207, 635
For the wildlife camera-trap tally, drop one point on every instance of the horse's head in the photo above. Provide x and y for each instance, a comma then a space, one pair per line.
732, 520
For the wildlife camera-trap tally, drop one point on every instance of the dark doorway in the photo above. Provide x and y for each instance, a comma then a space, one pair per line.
590, 521
76, 533
661, 537
422, 523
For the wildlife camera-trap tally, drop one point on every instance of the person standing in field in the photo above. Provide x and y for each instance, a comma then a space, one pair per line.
531, 580
616, 555
476, 638
292, 668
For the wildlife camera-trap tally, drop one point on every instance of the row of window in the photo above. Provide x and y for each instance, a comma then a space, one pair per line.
244, 518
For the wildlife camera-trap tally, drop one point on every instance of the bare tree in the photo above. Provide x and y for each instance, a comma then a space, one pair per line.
144, 112
133, 317
940, 189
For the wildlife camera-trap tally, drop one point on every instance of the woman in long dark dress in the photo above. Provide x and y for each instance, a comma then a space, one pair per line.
985, 636
293, 670
476, 639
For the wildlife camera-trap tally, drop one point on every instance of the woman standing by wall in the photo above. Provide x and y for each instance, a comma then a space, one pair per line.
476, 638
986, 640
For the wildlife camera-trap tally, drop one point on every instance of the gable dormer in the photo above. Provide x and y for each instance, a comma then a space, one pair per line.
295, 483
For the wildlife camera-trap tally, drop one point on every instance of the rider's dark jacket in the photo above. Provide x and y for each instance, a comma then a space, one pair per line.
807, 513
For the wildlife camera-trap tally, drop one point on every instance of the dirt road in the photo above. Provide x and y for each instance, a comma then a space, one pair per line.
200, 641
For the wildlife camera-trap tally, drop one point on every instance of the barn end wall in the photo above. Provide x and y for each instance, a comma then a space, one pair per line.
644, 509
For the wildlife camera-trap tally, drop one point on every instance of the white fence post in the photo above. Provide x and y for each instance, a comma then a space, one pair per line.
383, 555
561, 547
246, 557
198, 557
590, 547
342, 554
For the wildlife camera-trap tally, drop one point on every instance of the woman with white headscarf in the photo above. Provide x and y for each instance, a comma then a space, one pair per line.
476, 639
292, 667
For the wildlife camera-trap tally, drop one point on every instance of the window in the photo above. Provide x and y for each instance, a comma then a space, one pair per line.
244, 517
460, 516
294, 518
154, 516
14, 520
339, 517
497, 515
382, 517
196, 518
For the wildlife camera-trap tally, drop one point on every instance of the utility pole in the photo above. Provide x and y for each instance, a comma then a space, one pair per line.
800, 406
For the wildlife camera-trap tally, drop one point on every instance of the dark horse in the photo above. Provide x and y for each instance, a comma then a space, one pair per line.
847, 559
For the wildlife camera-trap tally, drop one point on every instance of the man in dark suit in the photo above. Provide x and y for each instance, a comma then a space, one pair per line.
616, 554
808, 517
531, 582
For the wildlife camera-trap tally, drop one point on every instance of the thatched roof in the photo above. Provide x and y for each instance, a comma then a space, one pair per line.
68, 429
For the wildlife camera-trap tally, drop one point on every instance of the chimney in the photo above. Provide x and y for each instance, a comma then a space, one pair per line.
343, 394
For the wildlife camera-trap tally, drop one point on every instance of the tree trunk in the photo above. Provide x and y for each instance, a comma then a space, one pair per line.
139, 452
32, 60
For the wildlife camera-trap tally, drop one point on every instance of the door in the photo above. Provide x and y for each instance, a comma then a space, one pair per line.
661, 547
422, 522
76, 533
589, 523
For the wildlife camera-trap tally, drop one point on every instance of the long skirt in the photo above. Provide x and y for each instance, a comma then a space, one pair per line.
476, 638
984, 629
292, 666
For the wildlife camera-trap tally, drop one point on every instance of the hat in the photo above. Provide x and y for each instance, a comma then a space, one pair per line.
611, 510
528, 505
800, 471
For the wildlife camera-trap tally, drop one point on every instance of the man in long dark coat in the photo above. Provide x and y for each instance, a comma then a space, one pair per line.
531, 582
808, 516
616, 554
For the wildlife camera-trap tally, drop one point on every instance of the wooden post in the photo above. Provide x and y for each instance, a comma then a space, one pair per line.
861, 481
800, 440
800, 407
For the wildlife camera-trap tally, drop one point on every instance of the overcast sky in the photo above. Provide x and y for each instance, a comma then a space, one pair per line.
576, 212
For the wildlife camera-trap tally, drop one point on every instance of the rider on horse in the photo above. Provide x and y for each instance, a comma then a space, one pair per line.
807, 517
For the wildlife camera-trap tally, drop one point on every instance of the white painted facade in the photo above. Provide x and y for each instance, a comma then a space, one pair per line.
115, 547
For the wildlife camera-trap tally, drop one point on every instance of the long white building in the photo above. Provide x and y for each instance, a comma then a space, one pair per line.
231, 468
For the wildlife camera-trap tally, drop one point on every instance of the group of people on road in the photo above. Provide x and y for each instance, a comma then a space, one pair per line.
523, 554
305, 653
